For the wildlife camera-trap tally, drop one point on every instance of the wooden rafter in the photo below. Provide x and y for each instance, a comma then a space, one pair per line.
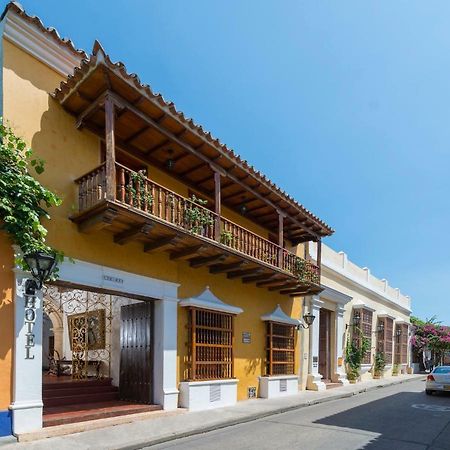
186, 253
133, 233
223, 268
243, 273
163, 243
206, 260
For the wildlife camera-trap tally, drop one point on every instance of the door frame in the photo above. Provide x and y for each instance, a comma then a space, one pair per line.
327, 375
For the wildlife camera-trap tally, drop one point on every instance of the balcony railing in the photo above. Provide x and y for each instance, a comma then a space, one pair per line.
135, 190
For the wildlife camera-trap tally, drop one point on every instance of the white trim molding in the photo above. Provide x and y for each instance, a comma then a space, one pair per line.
30, 38
207, 300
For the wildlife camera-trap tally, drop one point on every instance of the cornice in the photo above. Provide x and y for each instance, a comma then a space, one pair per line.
28, 37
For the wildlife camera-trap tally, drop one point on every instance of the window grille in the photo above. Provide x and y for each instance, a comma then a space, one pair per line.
280, 349
401, 344
211, 345
385, 344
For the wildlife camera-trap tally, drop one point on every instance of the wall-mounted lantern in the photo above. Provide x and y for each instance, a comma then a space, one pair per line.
41, 266
398, 333
308, 319
356, 320
380, 327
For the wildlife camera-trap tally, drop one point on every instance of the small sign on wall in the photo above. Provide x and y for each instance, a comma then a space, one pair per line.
246, 337
340, 362
252, 392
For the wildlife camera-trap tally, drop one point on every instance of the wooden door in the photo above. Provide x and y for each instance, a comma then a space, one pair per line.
324, 344
136, 352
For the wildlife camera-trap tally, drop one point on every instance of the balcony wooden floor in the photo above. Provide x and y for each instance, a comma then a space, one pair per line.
128, 223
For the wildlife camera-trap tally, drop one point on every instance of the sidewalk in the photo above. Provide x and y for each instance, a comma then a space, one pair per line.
163, 427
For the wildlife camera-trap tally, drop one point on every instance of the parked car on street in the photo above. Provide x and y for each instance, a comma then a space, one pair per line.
438, 380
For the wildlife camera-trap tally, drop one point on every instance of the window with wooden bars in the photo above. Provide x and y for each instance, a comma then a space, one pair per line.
365, 325
401, 344
280, 349
384, 343
210, 345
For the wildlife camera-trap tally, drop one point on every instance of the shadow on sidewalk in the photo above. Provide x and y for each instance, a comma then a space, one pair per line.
407, 420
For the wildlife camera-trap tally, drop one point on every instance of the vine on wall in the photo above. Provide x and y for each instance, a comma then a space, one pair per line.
22, 198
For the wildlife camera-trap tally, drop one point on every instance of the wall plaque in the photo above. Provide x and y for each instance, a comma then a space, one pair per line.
246, 337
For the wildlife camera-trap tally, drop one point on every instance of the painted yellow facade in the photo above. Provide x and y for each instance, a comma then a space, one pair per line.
70, 153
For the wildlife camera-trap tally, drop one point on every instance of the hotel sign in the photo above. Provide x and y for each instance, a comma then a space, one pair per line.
30, 322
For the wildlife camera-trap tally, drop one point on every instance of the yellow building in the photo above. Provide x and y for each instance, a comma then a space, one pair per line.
189, 265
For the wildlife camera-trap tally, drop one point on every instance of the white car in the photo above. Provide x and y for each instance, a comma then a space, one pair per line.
438, 380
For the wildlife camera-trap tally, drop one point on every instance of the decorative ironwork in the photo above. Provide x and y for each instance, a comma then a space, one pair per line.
88, 316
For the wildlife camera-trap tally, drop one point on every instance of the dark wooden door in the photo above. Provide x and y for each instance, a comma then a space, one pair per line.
324, 344
136, 352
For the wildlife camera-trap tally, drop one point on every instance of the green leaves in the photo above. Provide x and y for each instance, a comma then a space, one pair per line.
22, 197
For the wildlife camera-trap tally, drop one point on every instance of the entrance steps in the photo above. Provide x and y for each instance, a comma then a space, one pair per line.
68, 401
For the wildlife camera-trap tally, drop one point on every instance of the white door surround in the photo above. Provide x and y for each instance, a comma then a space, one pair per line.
27, 371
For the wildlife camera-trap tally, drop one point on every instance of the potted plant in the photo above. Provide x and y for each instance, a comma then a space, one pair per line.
354, 354
378, 365
395, 369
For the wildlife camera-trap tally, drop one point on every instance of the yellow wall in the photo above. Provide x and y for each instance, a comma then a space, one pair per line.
69, 153
6, 320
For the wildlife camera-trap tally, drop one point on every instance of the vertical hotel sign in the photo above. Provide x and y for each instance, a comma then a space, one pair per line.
30, 322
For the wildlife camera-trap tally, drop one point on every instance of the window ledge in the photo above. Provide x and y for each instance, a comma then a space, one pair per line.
208, 382
279, 377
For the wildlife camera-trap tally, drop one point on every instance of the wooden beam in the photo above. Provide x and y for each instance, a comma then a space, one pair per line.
296, 290
319, 257
243, 273
133, 233
135, 135
187, 252
285, 285
223, 268
252, 279
162, 243
192, 169
94, 105
157, 146
110, 149
236, 194
217, 206
97, 222
206, 260
275, 281
202, 180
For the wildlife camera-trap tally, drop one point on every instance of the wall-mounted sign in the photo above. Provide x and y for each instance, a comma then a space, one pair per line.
252, 392
246, 337
30, 320
113, 279
340, 362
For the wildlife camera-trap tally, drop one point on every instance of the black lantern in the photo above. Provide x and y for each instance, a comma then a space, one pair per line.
380, 327
308, 318
356, 320
41, 266
243, 209
170, 163
398, 333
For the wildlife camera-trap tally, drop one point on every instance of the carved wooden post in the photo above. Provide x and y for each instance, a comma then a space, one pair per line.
110, 149
217, 205
319, 256
280, 240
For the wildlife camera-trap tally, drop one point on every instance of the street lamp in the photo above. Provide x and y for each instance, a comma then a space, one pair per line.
308, 318
398, 333
41, 266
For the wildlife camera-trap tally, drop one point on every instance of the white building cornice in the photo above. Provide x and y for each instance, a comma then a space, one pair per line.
45, 45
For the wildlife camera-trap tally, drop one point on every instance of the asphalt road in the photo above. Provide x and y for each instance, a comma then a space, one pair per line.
399, 417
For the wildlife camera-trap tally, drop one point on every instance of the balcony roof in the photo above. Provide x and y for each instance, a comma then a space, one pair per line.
146, 117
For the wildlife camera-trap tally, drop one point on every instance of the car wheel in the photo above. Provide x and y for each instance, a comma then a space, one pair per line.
429, 392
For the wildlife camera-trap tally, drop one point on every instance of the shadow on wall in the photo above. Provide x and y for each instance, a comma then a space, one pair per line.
407, 420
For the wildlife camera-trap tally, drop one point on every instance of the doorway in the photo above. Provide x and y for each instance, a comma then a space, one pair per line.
136, 352
325, 344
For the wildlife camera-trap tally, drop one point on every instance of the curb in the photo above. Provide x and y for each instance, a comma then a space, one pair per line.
257, 416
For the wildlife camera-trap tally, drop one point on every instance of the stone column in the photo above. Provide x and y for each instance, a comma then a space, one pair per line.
340, 375
165, 391
27, 404
314, 381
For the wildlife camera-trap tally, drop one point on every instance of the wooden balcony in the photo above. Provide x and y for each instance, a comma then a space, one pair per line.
142, 210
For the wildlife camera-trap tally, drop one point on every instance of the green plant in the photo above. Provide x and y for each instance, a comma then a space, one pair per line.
227, 238
355, 353
379, 363
137, 191
197, 218
22, 197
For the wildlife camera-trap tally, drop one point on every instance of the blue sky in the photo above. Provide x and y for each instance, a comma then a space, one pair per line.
344, 104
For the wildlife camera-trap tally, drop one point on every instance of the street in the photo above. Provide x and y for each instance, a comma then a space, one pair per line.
397, 417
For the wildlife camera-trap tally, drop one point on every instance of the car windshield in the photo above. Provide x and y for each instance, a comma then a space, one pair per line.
442, 369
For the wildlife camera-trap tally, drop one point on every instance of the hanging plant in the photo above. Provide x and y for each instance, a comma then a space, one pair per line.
355, 353
228, 238
139, 195
197, 218
22, 197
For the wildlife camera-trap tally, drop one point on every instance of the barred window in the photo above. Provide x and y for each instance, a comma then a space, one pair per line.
365, 326
384, 344
280, 349
211, 345
401, 344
